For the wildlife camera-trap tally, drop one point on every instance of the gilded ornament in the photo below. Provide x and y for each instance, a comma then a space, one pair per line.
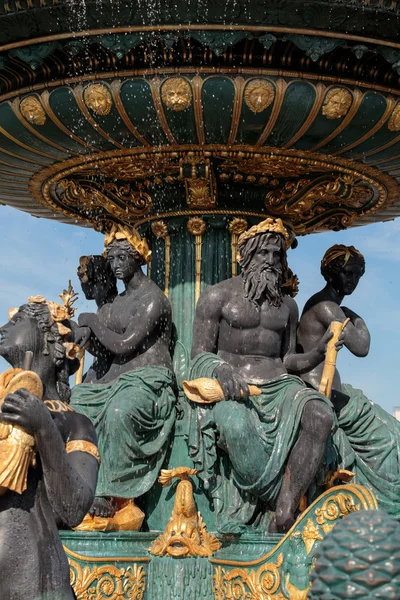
337, 103
196, 226
186, 533
106, 582
160, 229
98, 99
32, 110
132, 236
269, 225
250, 584
208, 391
176, 94
237, 226
394, 121
83, 446
310, 535
128, 518
335, 508
258, 95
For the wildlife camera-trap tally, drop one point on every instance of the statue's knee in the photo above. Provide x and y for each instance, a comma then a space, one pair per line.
316, 414
230, 420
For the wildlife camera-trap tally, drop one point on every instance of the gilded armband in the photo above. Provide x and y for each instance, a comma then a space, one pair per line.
83, 446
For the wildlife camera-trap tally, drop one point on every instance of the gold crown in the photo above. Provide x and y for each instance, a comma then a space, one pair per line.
268, 225
58, 313
339, 251
132, 236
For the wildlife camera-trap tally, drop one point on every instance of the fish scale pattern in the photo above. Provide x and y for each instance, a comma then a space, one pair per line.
359, 559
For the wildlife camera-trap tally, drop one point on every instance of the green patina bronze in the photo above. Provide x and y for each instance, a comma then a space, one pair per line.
134, 436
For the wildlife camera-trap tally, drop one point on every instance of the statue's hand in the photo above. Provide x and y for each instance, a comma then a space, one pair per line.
233, 385
82, 336
26, 410
323, 343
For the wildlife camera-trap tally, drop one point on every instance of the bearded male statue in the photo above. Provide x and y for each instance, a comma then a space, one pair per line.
257, 453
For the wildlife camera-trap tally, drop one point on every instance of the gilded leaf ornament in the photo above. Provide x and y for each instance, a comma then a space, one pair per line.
105, 582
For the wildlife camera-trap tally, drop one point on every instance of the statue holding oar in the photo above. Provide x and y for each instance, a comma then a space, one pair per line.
368, 439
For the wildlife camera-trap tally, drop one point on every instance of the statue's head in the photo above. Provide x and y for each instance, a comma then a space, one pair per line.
97, 278
342, 267
125, 252
42, 328
262, 257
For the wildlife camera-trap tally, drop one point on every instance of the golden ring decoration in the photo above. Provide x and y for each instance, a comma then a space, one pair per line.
98, 99
130, 164
32, 110
258, 95
176, 94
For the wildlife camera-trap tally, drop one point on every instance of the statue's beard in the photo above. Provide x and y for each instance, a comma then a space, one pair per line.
263, 284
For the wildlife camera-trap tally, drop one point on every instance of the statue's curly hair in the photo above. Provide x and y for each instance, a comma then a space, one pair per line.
52, 336
337, 257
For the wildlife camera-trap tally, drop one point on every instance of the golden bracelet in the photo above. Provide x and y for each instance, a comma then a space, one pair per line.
83, 446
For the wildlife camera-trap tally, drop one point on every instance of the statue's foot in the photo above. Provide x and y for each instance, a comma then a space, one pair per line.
102, 507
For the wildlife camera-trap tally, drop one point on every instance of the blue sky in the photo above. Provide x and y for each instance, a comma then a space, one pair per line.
38, 256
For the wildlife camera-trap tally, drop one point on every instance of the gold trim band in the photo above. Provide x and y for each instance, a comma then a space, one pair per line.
83, 446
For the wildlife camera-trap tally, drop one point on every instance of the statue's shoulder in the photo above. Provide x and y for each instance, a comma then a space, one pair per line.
218, 292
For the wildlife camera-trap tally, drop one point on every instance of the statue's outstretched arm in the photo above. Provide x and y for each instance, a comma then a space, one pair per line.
149, 316
70, 478
356, 336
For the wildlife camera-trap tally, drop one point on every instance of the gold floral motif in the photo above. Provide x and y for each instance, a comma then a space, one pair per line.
237, 226
199, 193
335, 508
337, 103
32, 110
106, 582
176, 94
394, 121
310, 535
98, 99
196, 226
258, 95
243, 584
160, 229
186, 533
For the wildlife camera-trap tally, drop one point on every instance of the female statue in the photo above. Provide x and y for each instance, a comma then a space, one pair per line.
61, 486
133, 405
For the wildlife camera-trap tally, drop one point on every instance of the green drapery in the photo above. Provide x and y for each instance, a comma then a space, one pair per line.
257, 436
134, 417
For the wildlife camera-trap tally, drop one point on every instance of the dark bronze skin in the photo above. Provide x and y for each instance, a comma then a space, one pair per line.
323, 308
135, 328
98, 283
259, 343
60, 488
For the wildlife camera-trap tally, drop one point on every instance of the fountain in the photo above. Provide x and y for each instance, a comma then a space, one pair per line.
192, 122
